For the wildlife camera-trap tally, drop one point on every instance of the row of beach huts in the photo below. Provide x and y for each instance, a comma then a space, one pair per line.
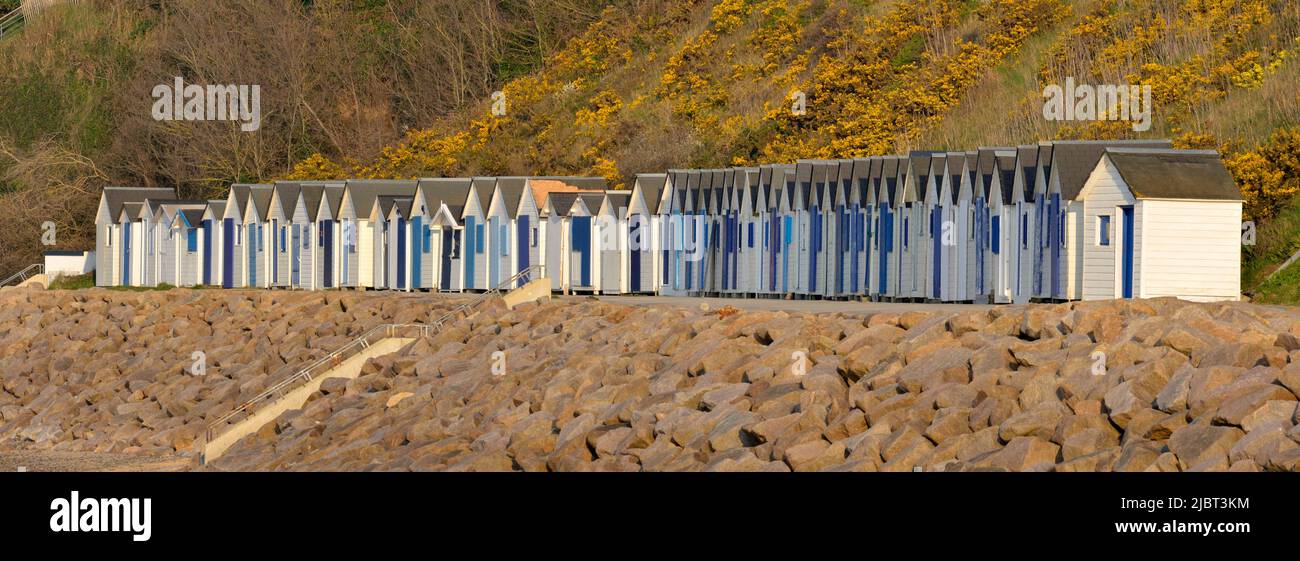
1055, 221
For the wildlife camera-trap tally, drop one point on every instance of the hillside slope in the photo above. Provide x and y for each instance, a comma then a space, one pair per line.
401, 88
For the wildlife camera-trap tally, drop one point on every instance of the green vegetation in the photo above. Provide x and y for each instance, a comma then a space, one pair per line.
73, 282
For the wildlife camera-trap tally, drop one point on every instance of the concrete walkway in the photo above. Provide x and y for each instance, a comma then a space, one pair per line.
765, 304
350, 368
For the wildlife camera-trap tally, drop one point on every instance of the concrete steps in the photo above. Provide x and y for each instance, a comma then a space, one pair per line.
297, 397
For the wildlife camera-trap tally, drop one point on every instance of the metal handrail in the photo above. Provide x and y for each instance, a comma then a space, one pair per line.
11, 21
23, 274
353, 347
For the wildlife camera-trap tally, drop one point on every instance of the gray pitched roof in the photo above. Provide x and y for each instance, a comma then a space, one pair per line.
311, 194
1174, 174
193, 216
218, 208
450, 191
1075, 159
652, 189
240, 192
365, 191
1027, 160
260, 198
132, 210
956, 161
287, 193
334, 195
512, 190
985, 166
1005, 167
117, 196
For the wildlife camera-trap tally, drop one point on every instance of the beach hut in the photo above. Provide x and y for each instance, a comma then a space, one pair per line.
111, 266
749, 225
803, 275
609, 231
1046, 214
871, 228
847, 199
674, 233
1160, 222
186, 247
645, 251
284, 243
1022, 224
307, 246
930, 250
476, 233
862, 201
910, 225
234, 260
213, 238
332, 252
764, 244
956, 229
1072, 163
438, 205
258, 253
574, 243
162, 255
888, 227
792, 229
1002, 227
361, 263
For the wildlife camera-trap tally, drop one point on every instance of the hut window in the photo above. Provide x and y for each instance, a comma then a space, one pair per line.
751, 235
108, 236
1024, 230
478, 238
283, 236
306, 239
1103, 230
533, 239
239, 236
504, 232
191, 240
428, 239
997, 234
455, 244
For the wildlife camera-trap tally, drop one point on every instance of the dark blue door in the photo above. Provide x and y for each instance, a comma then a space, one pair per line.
580, 242
327, 249
773, 247
885, 233
1057, 228
816, 246
524, 241
1128, 251
636, 240
207, 251
936, 263
448, 242
228, 253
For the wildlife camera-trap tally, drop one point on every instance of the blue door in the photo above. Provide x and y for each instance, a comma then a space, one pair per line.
126, 254
815, 229
785, 253
228, 253
1128, 251
251, 249
1057, 229
295, 256
207, 252
884, 245
468, 252
580, 243
936, 262
773, 247
635, 242
448, 246
327, 251
523, 241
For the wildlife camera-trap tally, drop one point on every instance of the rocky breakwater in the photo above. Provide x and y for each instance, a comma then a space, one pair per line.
1159, 385
115, 371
